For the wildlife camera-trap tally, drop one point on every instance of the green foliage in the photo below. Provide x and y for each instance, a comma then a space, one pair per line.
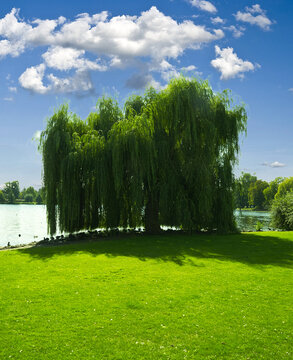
167, 161
134, 106
271, 190
2, 197
285, 187
256, 194
258, 226
11, 194
29, 198
282, 212
11, 191
29, 193
242, 185
39, 199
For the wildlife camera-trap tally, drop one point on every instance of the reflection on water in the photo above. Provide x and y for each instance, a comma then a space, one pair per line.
30, 222
247, 220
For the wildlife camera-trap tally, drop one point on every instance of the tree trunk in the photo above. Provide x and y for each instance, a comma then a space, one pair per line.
152, 223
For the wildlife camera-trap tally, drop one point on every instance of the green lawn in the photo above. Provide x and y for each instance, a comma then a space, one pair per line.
167, 297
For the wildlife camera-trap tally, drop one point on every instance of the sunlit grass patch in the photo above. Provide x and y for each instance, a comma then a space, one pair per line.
165, 297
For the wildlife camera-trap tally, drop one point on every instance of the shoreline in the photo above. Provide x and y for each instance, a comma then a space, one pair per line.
97, 236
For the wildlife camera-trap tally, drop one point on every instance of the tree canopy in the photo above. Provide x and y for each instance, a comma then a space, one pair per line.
285, 186
256, 194
11, 191
166, 159
272, 189
242, 185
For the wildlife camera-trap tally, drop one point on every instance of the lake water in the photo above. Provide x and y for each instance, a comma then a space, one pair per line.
30, 222
247, 220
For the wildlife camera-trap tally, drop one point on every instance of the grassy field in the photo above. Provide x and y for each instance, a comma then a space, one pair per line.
167, 297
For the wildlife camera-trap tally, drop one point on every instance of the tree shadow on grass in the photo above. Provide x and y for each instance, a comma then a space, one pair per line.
251, 249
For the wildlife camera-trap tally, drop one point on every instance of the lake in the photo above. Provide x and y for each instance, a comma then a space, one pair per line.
30, 222
246, 220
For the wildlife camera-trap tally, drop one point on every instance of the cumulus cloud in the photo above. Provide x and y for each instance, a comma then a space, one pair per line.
291, 89
32, 79
118, 42
79, 83
275, 164
255, 15
217, 20
236, 31
150, 34
188, 68
230, 65
61, 58
204, 5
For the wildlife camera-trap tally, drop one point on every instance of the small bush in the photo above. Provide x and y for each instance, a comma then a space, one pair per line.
282, 212
258, 226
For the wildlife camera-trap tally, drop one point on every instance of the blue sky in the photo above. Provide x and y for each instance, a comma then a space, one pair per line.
76, 51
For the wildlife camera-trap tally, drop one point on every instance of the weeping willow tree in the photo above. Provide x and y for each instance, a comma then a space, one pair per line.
165, 159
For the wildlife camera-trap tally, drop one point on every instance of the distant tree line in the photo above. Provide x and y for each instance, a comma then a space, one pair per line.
11, 194
251, 192
276, 196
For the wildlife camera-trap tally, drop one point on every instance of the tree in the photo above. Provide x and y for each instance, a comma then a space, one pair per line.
271, 190
2, 197
39, 199
285, 187
31, 192
242, 185
11, 191
166, 161
256, 194
282, 212
29, 198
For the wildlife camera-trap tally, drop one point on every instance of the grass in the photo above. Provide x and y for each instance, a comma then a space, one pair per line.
168, 297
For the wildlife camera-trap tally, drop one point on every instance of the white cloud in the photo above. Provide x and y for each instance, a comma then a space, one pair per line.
254, 9
120, 41
68, 58
291, 89
12, 89
230, 65
79, 83
12, 48
275, 164
217, 20
32, 79
188, 68
8, 99
191, 68
236, 31
151, 34
204, 5
166, 70
255, 16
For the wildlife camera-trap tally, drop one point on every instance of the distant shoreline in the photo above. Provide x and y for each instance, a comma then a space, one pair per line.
21, 203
